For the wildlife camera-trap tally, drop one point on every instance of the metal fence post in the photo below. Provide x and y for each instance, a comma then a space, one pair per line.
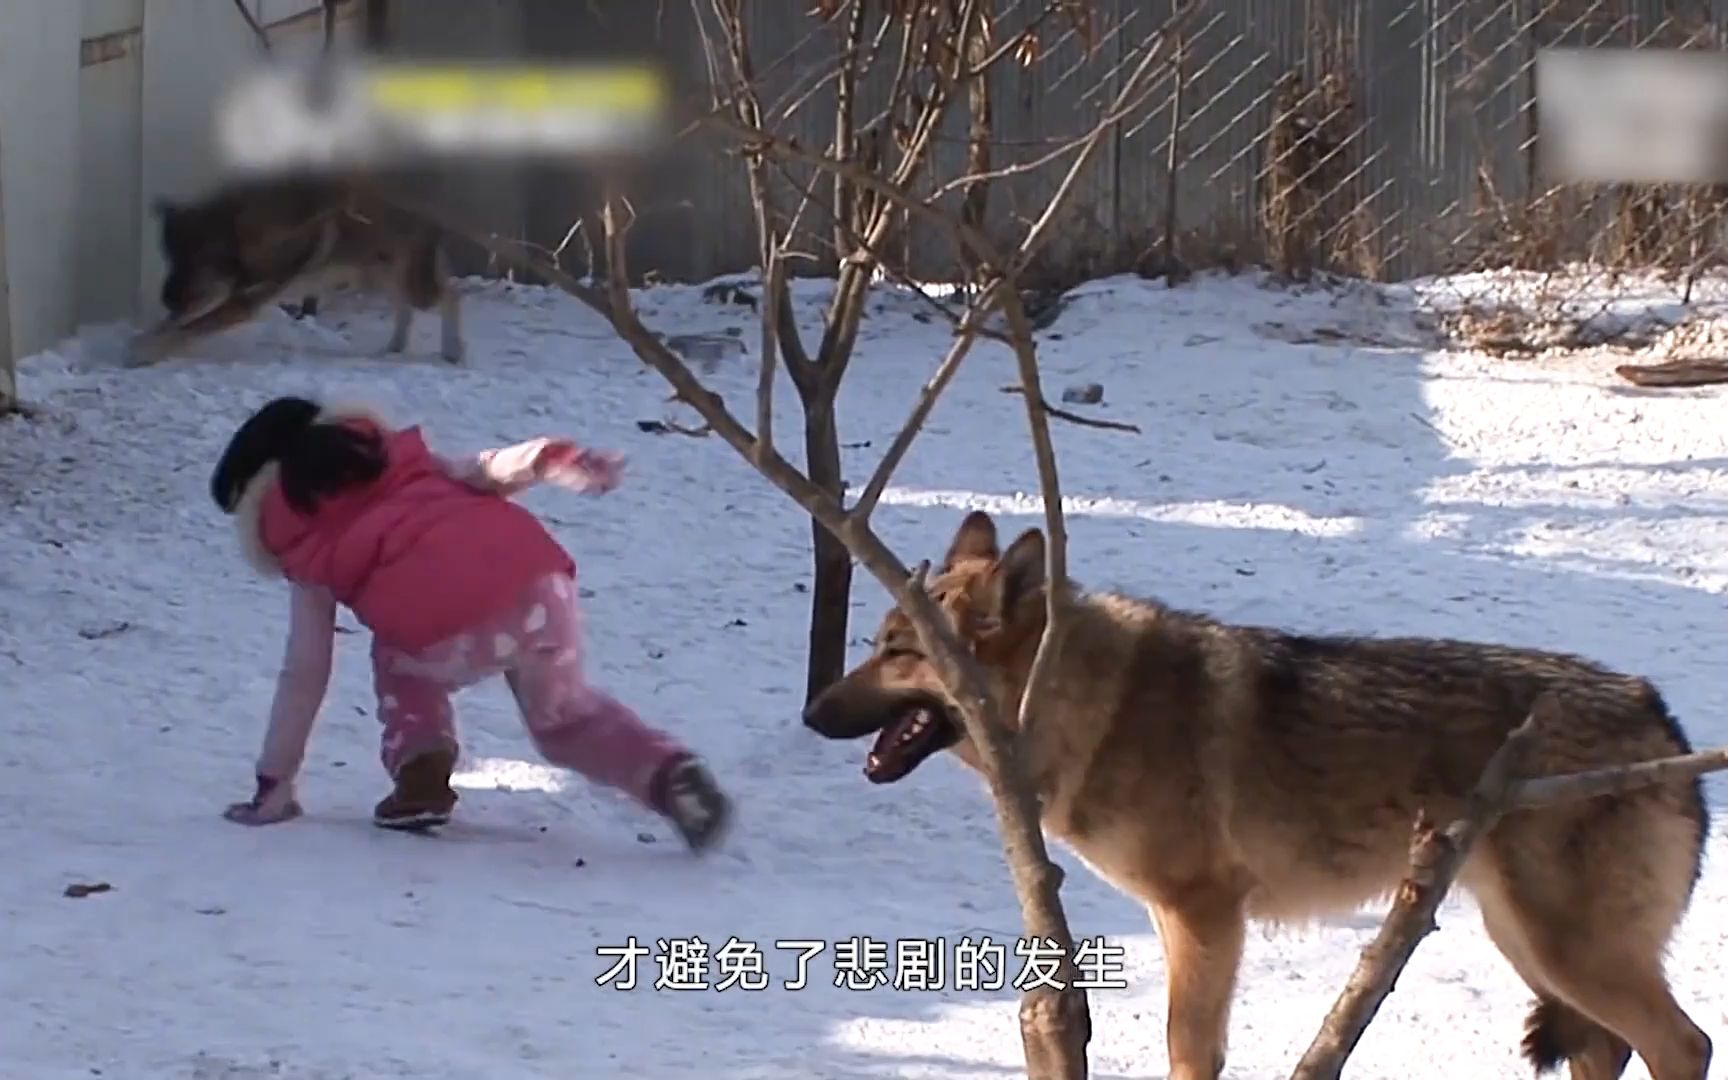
8, 371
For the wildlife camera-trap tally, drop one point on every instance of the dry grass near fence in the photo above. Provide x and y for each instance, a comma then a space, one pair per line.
1311, 216
1337, 141
1616, 268
1643, 316
1634, 271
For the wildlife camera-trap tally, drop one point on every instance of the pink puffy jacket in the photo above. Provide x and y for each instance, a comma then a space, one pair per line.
419, 555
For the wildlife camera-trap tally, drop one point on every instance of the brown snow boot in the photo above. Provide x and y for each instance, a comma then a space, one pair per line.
423, 797
686, 794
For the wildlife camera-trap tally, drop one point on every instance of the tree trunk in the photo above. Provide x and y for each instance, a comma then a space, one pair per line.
831, 591
1055, 1026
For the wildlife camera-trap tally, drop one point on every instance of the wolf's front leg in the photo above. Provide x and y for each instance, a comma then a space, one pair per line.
404, 318
159, 341
307, 308
144, 348
450, 343
1202, 935
152, 346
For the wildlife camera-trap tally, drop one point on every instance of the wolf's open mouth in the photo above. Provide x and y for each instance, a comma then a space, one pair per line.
918, 732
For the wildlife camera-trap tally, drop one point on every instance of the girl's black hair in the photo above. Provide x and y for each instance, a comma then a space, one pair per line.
313, 459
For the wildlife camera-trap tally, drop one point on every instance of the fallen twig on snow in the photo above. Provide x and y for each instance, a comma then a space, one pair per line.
1075, 418
673, 427
1675, 373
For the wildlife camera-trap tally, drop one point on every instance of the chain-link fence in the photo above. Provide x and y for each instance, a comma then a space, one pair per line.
1397, 140
1538, 264
1392, 140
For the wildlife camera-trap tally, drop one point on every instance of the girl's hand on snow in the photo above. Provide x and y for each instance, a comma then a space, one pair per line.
564, 463
273, 802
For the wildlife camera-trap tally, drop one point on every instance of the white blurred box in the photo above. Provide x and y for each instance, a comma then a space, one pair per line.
1631, 116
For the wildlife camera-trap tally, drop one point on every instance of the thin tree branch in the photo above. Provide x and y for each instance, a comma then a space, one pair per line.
835, 350
845, 144
258, 31
894, 190
776, 146
748, 109
506, 250
889, 270
1617, 780
774, 280
1043, 449
1436, 856
1110, 121
1134, 87
1037, 690
1027, 33
897, 450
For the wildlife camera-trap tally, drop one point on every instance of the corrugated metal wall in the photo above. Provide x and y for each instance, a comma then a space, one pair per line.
39, 166
105, 105
1438, 102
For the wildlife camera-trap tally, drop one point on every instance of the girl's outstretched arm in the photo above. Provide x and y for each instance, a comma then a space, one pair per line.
509, 470
505, 471
300, 689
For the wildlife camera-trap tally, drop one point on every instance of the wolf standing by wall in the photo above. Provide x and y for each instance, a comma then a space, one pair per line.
1223, 773
257, 240
457, 584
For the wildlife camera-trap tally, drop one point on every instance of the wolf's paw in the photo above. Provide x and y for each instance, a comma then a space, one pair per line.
137, 352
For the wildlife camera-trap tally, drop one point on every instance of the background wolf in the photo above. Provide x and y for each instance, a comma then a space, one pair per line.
1223, 773
254, 241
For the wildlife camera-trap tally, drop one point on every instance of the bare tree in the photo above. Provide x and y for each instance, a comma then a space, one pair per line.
898, 71
880, 178
860, 223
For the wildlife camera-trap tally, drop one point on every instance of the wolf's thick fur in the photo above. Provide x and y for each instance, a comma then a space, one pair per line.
254, 241
1225, 773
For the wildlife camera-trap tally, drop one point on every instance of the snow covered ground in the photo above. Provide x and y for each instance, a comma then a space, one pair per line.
1318, 485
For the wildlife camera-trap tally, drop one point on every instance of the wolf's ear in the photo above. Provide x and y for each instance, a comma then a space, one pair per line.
976, 539
1021, 569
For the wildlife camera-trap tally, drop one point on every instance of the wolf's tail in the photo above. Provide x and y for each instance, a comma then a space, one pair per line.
1555, 1033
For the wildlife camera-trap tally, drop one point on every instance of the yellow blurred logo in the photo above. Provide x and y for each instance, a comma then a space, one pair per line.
422, 89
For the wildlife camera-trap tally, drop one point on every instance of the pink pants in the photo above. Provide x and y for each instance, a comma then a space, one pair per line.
536, 645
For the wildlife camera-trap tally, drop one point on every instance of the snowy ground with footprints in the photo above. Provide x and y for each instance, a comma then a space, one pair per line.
1284, 472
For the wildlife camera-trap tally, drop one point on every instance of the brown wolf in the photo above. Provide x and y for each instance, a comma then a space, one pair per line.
1224, 773
253, 241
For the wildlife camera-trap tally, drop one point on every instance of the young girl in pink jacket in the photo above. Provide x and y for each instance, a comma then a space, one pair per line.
457, 584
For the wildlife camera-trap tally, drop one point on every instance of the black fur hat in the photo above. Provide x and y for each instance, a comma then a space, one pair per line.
259, 441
